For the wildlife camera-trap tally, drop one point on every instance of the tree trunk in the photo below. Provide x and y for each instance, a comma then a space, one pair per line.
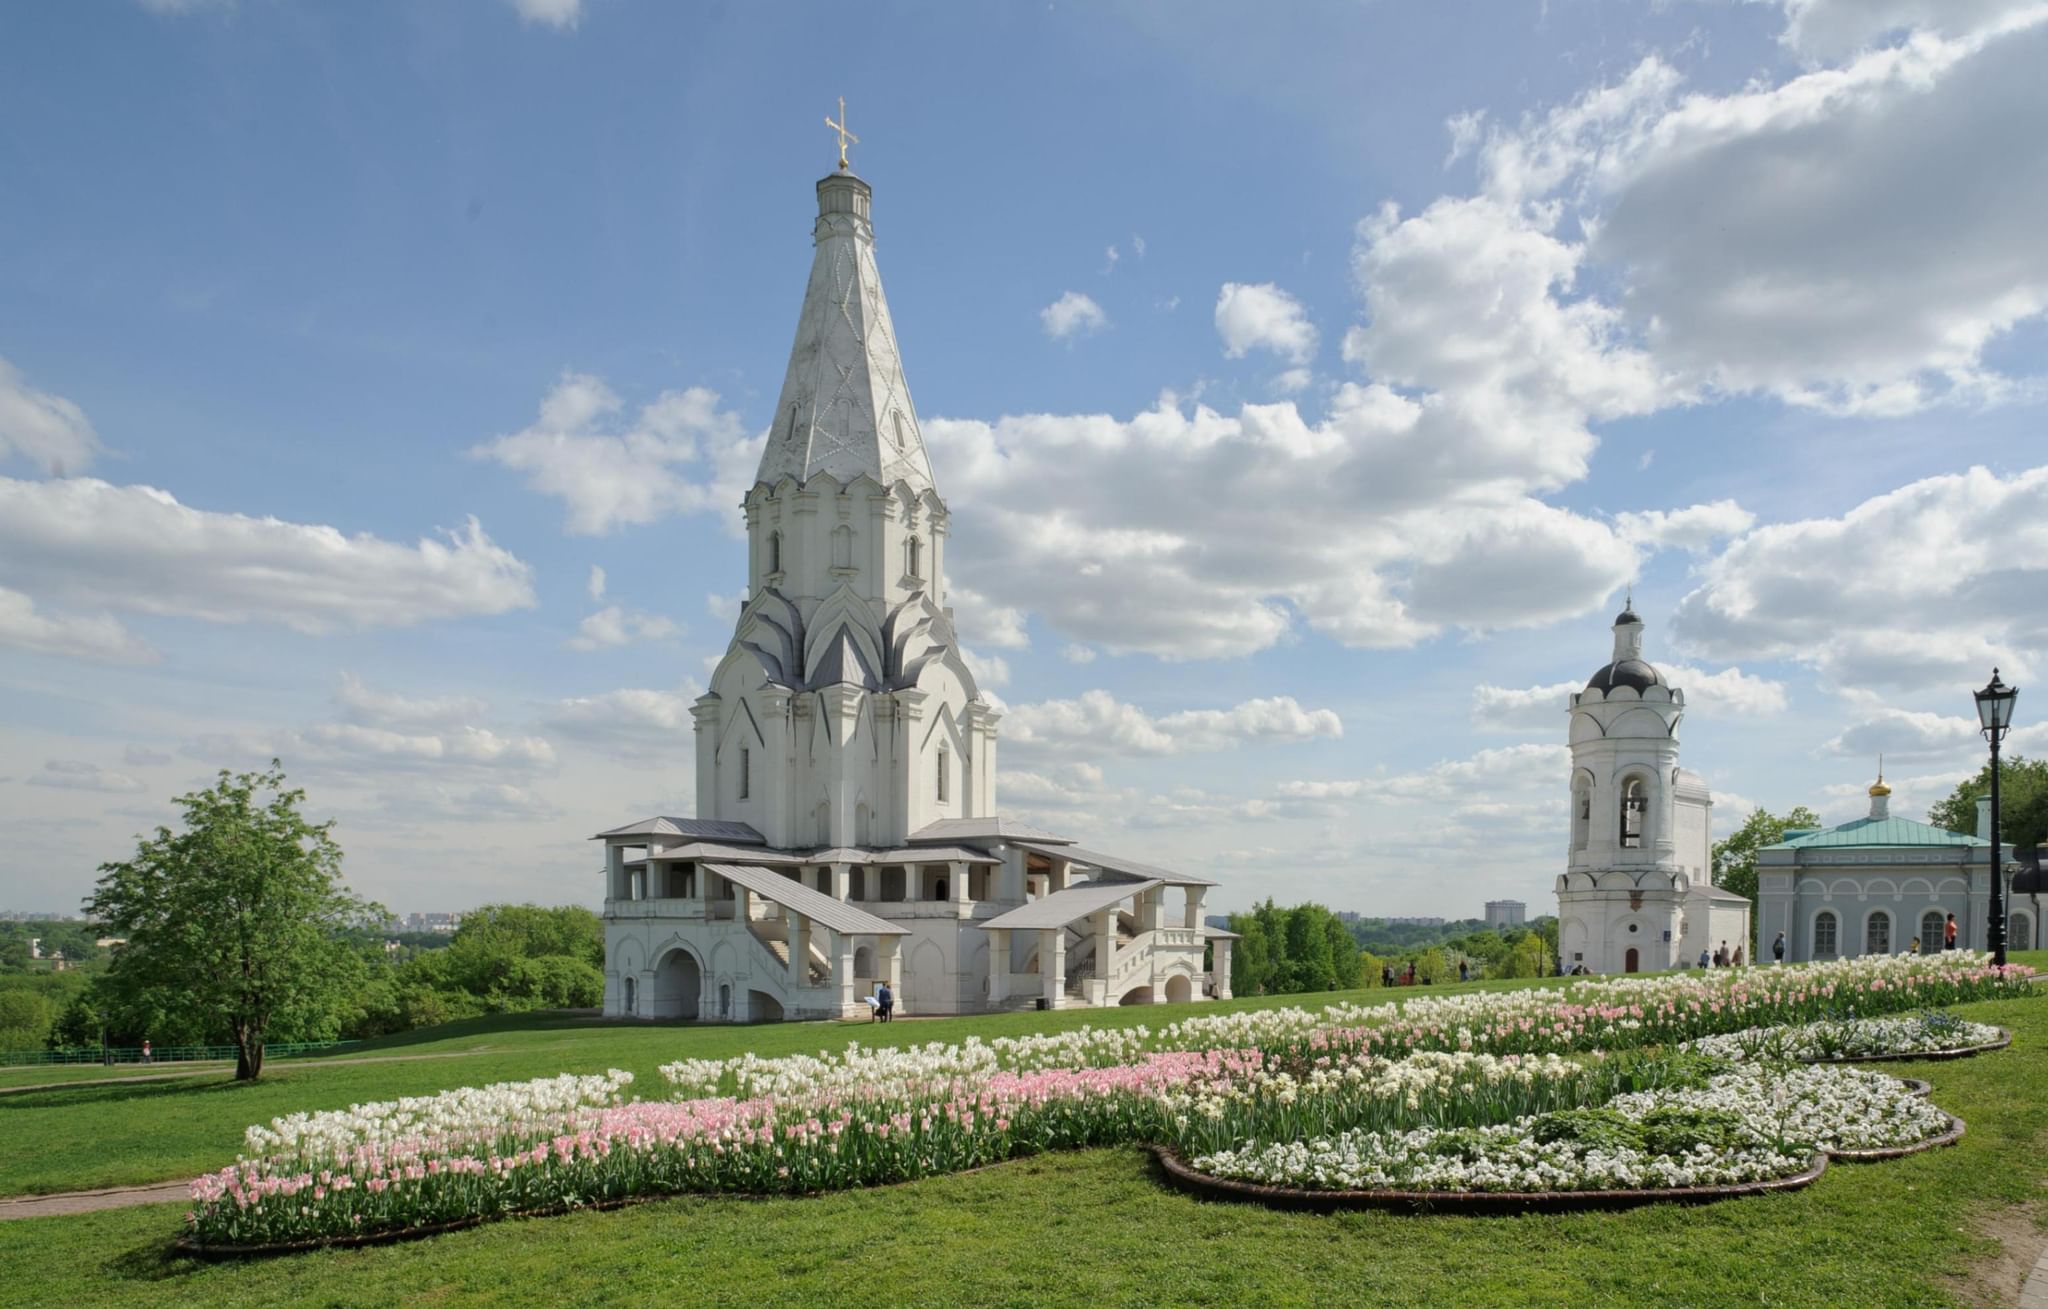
248, 1059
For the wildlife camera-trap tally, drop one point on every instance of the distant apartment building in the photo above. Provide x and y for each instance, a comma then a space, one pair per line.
1505, 913
442, 923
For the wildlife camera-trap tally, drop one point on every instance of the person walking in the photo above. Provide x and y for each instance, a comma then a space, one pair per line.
1778, 950
1738, 956
1464, 971
1916, 946
887, 998
145, 1051
1386, 974
1706, 960
1948, 933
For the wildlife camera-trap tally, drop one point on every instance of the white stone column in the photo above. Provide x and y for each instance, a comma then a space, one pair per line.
1220, 976
957, 889
892, 964
1052, 964
799, 949
842, 969
705, 714
842, 881
1197, 896
1104, 925
998, 965
614, 872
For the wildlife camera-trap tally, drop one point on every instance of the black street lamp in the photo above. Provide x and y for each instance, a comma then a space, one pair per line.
1994, 711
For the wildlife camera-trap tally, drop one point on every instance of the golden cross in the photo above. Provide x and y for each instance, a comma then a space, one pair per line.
844, 135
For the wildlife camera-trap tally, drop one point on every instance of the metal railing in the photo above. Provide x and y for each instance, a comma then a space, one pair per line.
163, 1054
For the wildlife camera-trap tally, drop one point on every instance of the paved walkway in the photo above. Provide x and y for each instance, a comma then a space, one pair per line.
82, 1202
2034, 1295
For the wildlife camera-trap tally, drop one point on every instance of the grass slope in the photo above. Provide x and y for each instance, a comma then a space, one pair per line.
1094, 1228
74, 1138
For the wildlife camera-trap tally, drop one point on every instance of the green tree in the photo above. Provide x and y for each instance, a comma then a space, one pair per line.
238, 921
1735, 858
2022, 802
25, 1019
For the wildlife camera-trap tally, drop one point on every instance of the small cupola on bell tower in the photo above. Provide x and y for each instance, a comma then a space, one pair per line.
1880, 796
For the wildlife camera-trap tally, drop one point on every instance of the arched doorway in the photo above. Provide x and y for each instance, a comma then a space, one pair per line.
1632, 961
1137, 995
2019, 932
678, 987
764, 1007
1179, 990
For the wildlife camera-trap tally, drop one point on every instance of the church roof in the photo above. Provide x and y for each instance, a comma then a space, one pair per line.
1126, 869
1070, 905
845, 407
1633, 673
947, 830
814, 905
1877, 831
710, 829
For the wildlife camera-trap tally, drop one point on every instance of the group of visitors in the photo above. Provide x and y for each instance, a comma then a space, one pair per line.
1723, 957
882, 1004
1407, 976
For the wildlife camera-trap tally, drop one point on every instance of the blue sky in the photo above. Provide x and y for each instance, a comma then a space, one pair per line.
1307, 385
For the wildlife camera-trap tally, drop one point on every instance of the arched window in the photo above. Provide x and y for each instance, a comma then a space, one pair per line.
1824, 946
940, 889
842, 546
746, 772
864, 961
1635, 813
774, 552
913, 551
1930, 931
1877, 933
945, 770
632, 990
822, 822
901, 440
1582, 814
859, 888
1632, 961
2019, 931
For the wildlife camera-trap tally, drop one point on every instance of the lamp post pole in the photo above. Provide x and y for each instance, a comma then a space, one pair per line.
1994, 711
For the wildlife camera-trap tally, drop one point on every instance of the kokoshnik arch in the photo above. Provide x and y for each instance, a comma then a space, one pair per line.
846, 828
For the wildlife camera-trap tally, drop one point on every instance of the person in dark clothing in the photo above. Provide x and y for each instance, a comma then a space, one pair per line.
1464, 971
1386, 974
1778, 948
888, 999
1948, 933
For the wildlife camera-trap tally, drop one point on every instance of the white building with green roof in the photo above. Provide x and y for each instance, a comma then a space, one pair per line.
1872, 885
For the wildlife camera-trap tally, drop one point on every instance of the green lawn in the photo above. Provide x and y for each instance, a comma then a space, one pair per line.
1095, 1228
73, 1138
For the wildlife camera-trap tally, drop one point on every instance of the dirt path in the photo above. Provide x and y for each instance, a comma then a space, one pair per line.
83, 1202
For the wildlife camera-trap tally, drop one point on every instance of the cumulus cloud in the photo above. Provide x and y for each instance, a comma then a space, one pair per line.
1261, 316
1835, 29
1543, 708
1695, 528
77, 775
595, 586
1098, 721
639, 722
366, 705
1523, 709
615, 625
562, 15
138, 548
1073, 314
1907, 734
611, 473
990, 671
1862, 596
44, 429
98, 637
491, 802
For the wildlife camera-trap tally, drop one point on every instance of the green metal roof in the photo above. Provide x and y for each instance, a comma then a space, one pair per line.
1877, 831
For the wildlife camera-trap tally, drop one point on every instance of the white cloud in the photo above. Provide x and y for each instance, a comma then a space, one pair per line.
1907, 734
984, 622
1730, 691
1076, 653
1138, 245
1923, 587
1110, 256
562, 15
491, 802
1292, 381
611, 474
371, 707
47, 430
1097, 720
1523, 709
100, 638
990, 671
595, 586
137, 548
633, 721
345, 743
76, 775
726, 608
1834, 29
615, 625
1261, 316
1695, 528
140, 756
1072, 314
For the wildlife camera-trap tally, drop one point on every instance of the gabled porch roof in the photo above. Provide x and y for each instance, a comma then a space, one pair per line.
815, 905
1068, 906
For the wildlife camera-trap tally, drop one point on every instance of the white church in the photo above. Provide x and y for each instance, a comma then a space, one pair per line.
846, 829
1637, 894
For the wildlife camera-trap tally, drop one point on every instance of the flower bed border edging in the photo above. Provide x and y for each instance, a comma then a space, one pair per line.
1950, 1137
1184, 1176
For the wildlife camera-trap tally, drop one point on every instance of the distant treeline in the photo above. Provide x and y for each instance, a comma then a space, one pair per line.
1303, 948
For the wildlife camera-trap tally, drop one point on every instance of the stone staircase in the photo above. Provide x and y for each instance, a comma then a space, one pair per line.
820, 970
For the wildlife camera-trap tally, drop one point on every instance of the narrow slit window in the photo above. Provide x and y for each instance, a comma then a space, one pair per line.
746, 772
944, 769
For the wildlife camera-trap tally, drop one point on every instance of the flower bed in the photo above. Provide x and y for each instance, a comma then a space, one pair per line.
1750, 1125
1391, 1086
1927, 1035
